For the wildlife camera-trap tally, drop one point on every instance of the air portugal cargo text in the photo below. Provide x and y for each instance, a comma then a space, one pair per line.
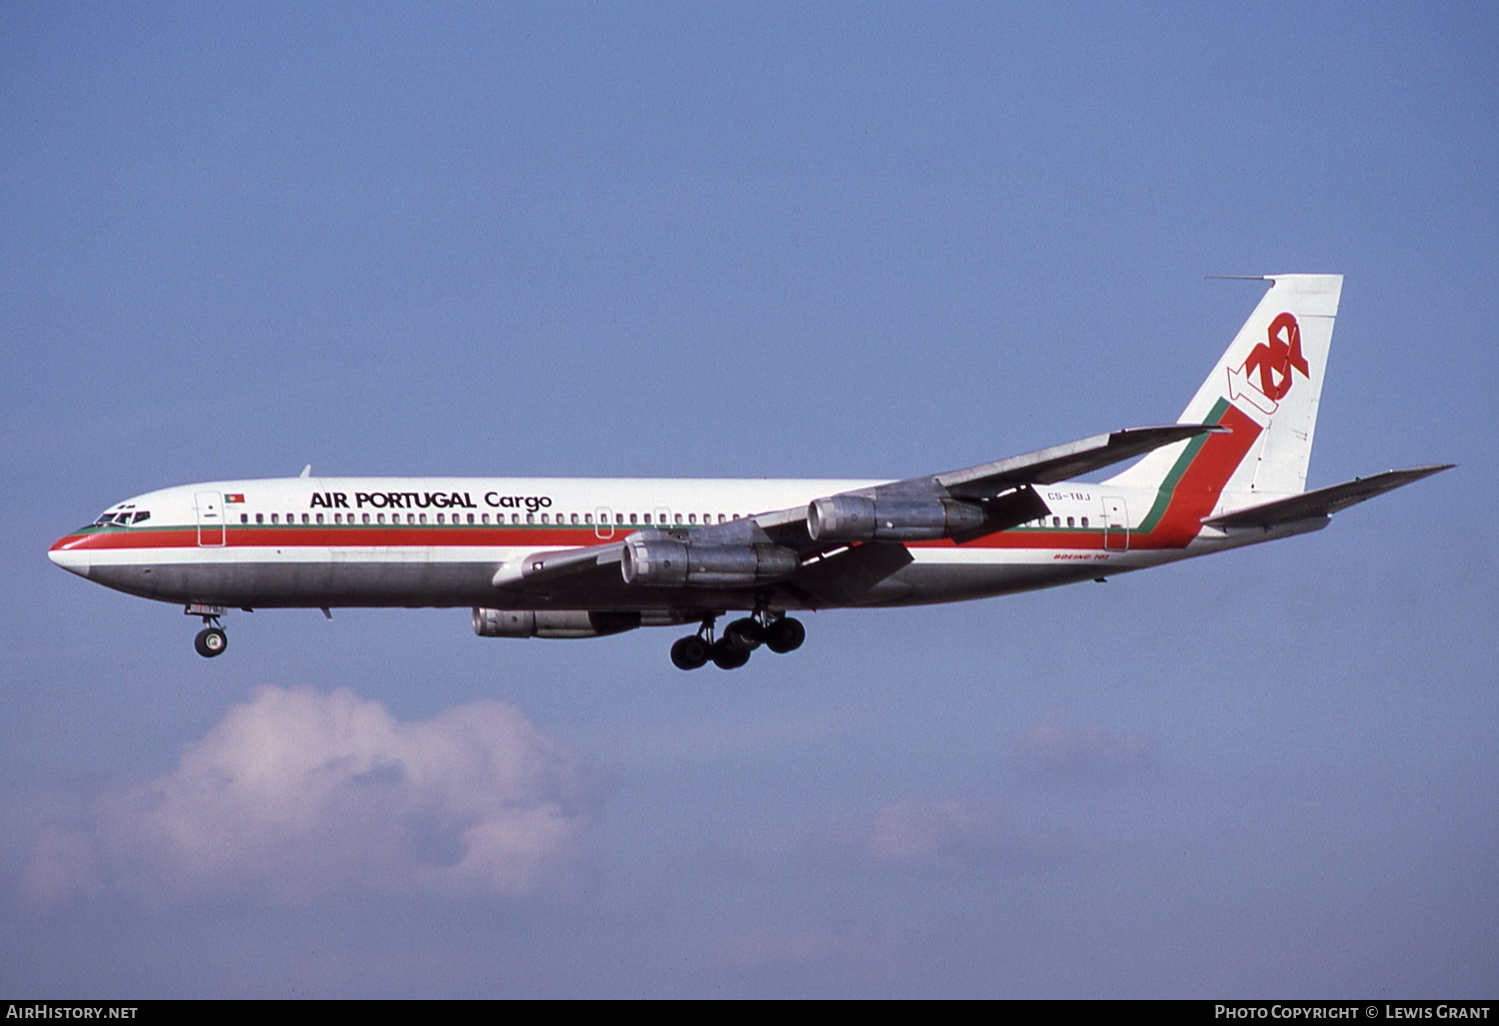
428, 500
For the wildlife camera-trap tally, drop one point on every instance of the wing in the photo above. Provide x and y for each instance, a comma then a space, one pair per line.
960, 504
1002, 490
1065, 462
1323, 502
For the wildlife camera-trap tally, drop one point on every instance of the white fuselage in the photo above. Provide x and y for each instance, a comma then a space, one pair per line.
322, 542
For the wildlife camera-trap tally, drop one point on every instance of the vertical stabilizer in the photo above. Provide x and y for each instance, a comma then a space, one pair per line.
1265, 389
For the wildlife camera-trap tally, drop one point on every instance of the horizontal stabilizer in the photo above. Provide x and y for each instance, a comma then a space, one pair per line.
1323, 502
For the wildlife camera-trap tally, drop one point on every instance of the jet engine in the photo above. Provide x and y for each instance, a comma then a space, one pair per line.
551, 623
851, 518
663, 561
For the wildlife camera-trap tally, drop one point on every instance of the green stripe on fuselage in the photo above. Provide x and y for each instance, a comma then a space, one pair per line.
1163, 493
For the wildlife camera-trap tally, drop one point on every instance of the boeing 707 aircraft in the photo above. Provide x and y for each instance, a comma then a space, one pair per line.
585, 557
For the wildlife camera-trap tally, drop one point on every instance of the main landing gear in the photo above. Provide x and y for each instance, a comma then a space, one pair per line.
740, 638
211, 640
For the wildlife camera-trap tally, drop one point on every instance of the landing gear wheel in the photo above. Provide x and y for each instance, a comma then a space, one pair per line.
744, 635
689, 653
211, 641
727, 657
785, 635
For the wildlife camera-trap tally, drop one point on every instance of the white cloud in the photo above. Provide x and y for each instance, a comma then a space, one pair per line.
1058, 743
298, 792
916, 830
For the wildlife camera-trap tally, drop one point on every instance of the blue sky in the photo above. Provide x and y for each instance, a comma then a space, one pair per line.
754, 240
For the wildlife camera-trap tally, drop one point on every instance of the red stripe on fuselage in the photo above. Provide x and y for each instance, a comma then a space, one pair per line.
1194, 497
338, 537
1196, 494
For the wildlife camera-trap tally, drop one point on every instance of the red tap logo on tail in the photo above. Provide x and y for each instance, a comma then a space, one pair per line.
1274, 359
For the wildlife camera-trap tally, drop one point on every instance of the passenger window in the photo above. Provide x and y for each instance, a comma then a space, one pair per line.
679, 518
1069, 521
515, 518
587, 518
530, 518
720, 518
632, 520
575, 518
366, 518
260, 518
544, 517
647, 518
275, 518
439, 518
244, 518
338, 518
691, 518
320, 518
1085, 521
1056, 521
421, 519
484, 518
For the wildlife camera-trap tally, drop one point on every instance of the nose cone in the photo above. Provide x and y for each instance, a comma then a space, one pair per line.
69, 553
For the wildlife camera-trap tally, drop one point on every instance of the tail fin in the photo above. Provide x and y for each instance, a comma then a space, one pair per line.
1266, 389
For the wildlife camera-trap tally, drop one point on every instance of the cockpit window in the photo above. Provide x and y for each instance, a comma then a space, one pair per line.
121, 518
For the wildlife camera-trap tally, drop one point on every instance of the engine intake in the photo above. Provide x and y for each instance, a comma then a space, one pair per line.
851, 518
552, 623
662, 561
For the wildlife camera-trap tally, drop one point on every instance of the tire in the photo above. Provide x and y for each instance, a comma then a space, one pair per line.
210, 642
785, 635
726, 657
689, 653
744, 635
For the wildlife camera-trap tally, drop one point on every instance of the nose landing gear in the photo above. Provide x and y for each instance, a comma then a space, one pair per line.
211, 640
779, 633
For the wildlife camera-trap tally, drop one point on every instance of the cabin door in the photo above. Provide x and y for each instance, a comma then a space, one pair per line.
1115, 524
210, 519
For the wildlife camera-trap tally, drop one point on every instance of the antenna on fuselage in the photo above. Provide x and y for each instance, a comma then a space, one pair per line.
306, 471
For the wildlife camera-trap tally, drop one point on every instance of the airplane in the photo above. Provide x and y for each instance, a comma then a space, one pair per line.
587, 557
